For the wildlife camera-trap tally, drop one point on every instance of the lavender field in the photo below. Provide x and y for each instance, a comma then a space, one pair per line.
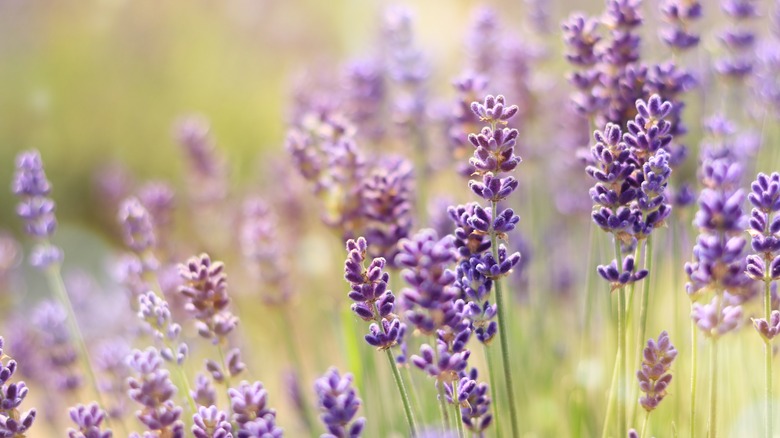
362, 218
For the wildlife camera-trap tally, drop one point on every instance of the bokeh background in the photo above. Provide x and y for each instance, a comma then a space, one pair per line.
96, 87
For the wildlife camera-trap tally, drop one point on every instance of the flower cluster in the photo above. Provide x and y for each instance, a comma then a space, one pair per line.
35, 207
373, 300
205, 287
680, 14
430, 297
631, 172
13, 423
210, 422
151, 387
339, 404
765, 228
475, 405
154, 311
251, 412
206, 166
716, 318
654, 375
719, 263
88, 420
738, 39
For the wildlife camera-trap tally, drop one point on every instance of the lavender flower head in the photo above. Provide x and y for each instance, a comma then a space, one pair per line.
13, 423
249, 402
654, 376
373, 301
339, 404
205, 287
88, 420
50, 320
155, 312
431, 294
475, 407
151, 387
680, 14
206, 167
35, 207
210, 422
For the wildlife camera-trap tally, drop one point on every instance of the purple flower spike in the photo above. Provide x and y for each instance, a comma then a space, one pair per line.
35, 207
493, 110
653, 376
137, 226
13, 423
88, 420
151, 387
210, 422
250, 402
679, 14
339, 404
475, 409
373, 301
205, 287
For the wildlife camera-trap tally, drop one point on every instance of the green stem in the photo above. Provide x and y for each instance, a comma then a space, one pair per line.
611, 399
621, 392
694, 370
445, 417
295, 357
713, 423
458, 415
54, 278
402, 390
225, 373
648, 265
503, 333
409, 384
644, 424
493, 389
768, 312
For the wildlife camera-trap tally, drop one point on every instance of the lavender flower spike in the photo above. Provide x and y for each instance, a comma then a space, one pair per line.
151, 387
339, 404
35, 207
654, 375
88, 419
13, 423
205, 287
210, 422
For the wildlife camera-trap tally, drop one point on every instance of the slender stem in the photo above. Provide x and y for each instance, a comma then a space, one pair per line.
694, 371
648, 263
54, 278
402, 390
406, 376
713, 423
493, 389
295, 357
445, 416
502, 331
644, 424
621, 392
768, 346
611, 399
225, 373
458, 416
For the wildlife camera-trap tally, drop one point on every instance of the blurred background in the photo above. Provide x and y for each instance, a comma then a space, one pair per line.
98, 86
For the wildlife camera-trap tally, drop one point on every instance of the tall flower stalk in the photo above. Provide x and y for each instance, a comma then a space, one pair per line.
494, 154
374, 302
718, 268
36, 208
764, 266
653, 374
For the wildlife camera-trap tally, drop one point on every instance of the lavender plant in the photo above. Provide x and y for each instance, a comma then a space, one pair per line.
653, 375
374, 302
764, 265
339, 404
